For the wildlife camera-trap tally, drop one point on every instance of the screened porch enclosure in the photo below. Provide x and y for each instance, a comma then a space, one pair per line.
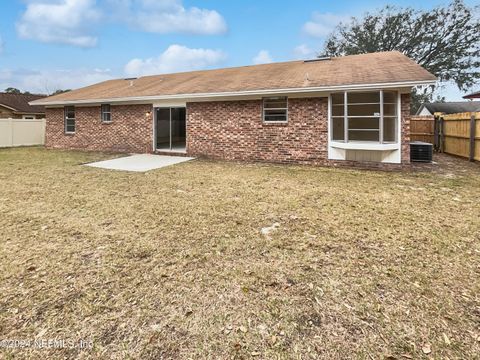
364, 117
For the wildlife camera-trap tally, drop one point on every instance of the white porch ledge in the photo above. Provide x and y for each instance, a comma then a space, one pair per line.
360, 145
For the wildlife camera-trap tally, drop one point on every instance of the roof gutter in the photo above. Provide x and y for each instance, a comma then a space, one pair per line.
239, 93
29, 113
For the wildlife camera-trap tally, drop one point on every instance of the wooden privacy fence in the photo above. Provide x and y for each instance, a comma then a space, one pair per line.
422, 128
21, 132
459, 134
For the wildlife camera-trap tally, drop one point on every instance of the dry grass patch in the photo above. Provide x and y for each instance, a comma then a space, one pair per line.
173, 263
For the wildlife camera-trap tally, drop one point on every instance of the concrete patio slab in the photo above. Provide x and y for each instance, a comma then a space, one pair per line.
140, 162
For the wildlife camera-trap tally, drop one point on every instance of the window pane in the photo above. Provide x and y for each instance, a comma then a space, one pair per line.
364, 120
338, 98
355, 135
275, 109
367, 97
389, 110
364, 123
389, 129
338, 127
338, 110
70, 125
275, 103
106, 117
364, 110
275, 115
389, 97
105, 113
70, 112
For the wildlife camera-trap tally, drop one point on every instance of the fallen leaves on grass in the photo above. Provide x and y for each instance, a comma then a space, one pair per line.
226, 260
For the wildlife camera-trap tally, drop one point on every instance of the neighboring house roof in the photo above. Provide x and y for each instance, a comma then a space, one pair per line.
375, 69
475, 95
451, 107
19, 103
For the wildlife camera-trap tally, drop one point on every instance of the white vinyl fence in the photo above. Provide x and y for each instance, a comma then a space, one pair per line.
22, 132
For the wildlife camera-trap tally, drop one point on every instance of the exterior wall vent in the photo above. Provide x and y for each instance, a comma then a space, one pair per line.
132, 79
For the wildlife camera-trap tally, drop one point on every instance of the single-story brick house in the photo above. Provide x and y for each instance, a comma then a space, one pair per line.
343, 110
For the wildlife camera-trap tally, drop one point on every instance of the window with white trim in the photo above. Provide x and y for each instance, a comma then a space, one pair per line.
69, 119
364, 116
275, 109
106, 114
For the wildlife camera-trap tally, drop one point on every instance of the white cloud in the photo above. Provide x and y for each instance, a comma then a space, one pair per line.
63, 21
304, 52
263, 57
71, 21
322, 24
47, 81
168, 16
175, 58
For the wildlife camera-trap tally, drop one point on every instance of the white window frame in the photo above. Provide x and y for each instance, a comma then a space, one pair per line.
65, 113
105, 112
381, 117
264, 109
28, 117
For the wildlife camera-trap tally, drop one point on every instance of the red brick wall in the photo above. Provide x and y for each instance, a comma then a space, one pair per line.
234, 130
130, 130
231, 130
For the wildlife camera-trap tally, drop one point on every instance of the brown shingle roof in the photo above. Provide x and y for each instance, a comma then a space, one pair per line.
475, 95
375, 68
451, 107
19, 102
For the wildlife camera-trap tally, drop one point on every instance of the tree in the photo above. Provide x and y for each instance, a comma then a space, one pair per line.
59, 91
12, 90
443, 40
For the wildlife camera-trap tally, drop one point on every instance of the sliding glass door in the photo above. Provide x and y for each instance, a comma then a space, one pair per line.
171, 129
178, 129
163, 128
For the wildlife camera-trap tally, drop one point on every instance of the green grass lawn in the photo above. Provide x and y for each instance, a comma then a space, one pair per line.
173, 263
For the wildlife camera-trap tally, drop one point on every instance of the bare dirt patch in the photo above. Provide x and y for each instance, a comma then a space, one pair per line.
173, 263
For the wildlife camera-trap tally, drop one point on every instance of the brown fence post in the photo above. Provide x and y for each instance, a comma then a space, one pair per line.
435, 133
472, 138
441, 135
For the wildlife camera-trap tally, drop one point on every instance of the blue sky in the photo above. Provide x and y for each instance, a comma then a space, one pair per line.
50, 44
